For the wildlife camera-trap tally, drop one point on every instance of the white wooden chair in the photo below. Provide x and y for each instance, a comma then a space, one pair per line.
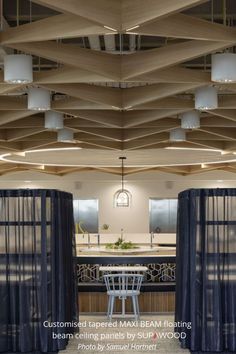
123, 286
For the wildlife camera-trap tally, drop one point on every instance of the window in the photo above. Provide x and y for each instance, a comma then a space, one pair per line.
162, 215
86, 215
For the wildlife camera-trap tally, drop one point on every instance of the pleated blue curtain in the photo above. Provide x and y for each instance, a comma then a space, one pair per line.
37, 270
206, 269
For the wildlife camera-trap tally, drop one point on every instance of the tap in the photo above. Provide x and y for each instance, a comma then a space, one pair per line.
89, 245
98, 236
151, 239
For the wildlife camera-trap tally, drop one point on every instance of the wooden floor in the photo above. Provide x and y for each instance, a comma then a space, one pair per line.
148, 302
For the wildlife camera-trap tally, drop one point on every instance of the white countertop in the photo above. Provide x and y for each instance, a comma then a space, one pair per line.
123, 269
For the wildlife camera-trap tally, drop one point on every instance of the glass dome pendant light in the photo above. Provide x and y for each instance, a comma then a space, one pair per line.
122, 197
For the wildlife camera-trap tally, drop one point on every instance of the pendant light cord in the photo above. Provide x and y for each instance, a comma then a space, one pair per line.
122, 158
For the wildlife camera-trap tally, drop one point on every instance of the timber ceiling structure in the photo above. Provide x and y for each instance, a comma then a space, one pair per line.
122, 71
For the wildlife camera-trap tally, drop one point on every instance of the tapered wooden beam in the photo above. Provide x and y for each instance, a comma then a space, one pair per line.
105, 12
132, 119
139, 95
225, 113
183, 26
168, 103
157, 141
133, 134
175, 74
107, 133
53, 27
70, 103
21, 133
132, 65
67, 74
13, 103
10, 116
225, 133
134, 14
104, 64
103, 95
107, 118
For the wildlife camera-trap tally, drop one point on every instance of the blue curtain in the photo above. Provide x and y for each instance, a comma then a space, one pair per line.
37, 272
206, 269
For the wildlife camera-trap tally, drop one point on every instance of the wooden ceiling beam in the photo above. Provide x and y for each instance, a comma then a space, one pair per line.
104, 64
21, 133
105, 12
175, 74
184, 26
101, 95
13, 103
225, 133
133, 134
71, 103
141, 95
67, 75
134, 118
10, 116
53, 27
172, 54
141, 12
109, 118
225, 113
107, 133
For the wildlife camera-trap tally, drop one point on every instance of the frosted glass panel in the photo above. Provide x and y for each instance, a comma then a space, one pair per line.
86, 215
162, 215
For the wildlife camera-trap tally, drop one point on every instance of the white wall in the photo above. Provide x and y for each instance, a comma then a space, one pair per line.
103, 187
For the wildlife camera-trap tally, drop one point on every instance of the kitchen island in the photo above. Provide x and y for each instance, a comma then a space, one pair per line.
158, 289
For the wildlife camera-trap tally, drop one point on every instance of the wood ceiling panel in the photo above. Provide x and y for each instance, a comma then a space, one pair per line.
148, 10
127, 98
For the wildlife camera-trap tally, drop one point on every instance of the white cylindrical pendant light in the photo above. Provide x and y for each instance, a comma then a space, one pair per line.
18, 69
177, 135
206, 98
190, 120
223, 67
39, 99
65, 136
54, 120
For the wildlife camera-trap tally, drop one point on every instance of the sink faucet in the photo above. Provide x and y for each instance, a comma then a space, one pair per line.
98, 236
89, 245
151, 239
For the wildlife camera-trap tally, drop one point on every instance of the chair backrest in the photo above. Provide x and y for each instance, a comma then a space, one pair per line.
123, 282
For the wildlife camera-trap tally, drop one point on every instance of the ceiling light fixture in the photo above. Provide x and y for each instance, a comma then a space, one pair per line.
206, 98
191, 149
39, 99
131, 28
18, 69
54, 120
178, 134
65, 136
122, 197
223, 67
110, 28
190, 120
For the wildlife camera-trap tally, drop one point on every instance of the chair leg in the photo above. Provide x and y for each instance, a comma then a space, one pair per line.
134, 307
112, 306
137, 306
109, 306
